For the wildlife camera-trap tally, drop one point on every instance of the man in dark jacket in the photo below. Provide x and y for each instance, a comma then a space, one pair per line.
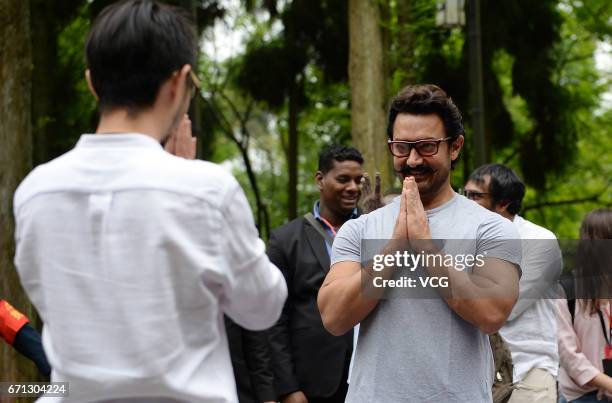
310, 364
251, 361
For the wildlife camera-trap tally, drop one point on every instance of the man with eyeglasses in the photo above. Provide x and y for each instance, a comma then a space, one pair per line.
432, 348
531, 329
132, 255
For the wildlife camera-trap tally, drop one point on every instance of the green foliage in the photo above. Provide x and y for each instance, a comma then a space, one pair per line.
313, 32
543, 93
326, 122
269, 70
72, 107
586, 185
520, 30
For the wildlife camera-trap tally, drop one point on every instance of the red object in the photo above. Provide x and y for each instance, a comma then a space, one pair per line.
608, 348
11, 321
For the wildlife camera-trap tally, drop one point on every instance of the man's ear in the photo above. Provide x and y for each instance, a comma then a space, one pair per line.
178, 81
456, 146
502, 206
319, 179
90, 85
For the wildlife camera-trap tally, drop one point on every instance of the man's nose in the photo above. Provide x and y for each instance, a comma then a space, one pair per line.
353, 186
414, 159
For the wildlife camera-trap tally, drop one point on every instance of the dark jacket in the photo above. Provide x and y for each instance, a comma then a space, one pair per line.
305, 356
250, 355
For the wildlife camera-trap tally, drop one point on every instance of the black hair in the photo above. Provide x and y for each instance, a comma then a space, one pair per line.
337, 153
426, 99
593, 269
504, 185
133, 47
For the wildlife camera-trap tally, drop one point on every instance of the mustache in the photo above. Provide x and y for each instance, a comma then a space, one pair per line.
420, 170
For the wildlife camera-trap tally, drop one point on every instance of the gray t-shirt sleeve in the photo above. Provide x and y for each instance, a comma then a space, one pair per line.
347, 243
497, 237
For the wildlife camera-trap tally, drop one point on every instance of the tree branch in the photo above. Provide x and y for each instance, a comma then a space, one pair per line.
593, 198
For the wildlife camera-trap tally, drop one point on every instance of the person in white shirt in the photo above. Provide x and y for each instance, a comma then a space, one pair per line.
530, 332
132, 255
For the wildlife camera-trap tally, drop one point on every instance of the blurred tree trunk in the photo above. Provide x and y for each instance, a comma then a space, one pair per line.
15, 162
405, 42
292, 151
47, 20
44, 61
367, 81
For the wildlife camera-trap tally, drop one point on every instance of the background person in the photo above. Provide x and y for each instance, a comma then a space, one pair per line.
132, 255
530, 332
311, 365
584, 332
249, 350
435, 349
17, 332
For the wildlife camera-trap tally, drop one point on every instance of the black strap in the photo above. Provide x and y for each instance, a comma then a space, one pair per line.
608, 334
570, 294
571, 305
318, 227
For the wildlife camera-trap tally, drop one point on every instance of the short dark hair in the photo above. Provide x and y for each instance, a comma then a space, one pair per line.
337, 153
425, 99
504, 185
133, 47
591, 272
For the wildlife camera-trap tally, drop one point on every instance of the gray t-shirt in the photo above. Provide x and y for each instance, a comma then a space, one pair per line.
419, 350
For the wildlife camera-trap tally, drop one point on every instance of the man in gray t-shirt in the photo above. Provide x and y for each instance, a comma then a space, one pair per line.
431, 347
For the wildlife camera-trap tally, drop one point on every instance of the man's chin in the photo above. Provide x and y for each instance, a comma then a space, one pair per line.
421, 178
426, 188
347, 208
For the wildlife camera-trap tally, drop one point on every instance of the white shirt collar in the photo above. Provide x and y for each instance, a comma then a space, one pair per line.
120, 140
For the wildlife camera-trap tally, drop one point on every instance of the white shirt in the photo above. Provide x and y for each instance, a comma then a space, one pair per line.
132, 256
531, 330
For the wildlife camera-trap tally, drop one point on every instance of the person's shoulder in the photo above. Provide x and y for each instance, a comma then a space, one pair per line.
495, 225
291, 225
289, 228
530, 230
355, 227
490, 223
41, 176
197, 178
390, 208
471, 208
197, 170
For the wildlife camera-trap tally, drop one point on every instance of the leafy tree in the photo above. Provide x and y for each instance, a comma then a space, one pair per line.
542, 92
368, 86
273, 70
15, 162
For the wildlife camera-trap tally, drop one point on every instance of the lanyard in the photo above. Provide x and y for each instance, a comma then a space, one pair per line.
331, 227
607, 334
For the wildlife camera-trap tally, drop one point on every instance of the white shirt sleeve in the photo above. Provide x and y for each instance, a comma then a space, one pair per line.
541, 265
254, 290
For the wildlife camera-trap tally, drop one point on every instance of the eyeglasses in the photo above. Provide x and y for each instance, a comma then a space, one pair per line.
425, 148
196, 83
472, 195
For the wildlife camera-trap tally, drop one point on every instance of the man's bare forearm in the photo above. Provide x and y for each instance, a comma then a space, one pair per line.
484, 301
342, 304
345, 300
